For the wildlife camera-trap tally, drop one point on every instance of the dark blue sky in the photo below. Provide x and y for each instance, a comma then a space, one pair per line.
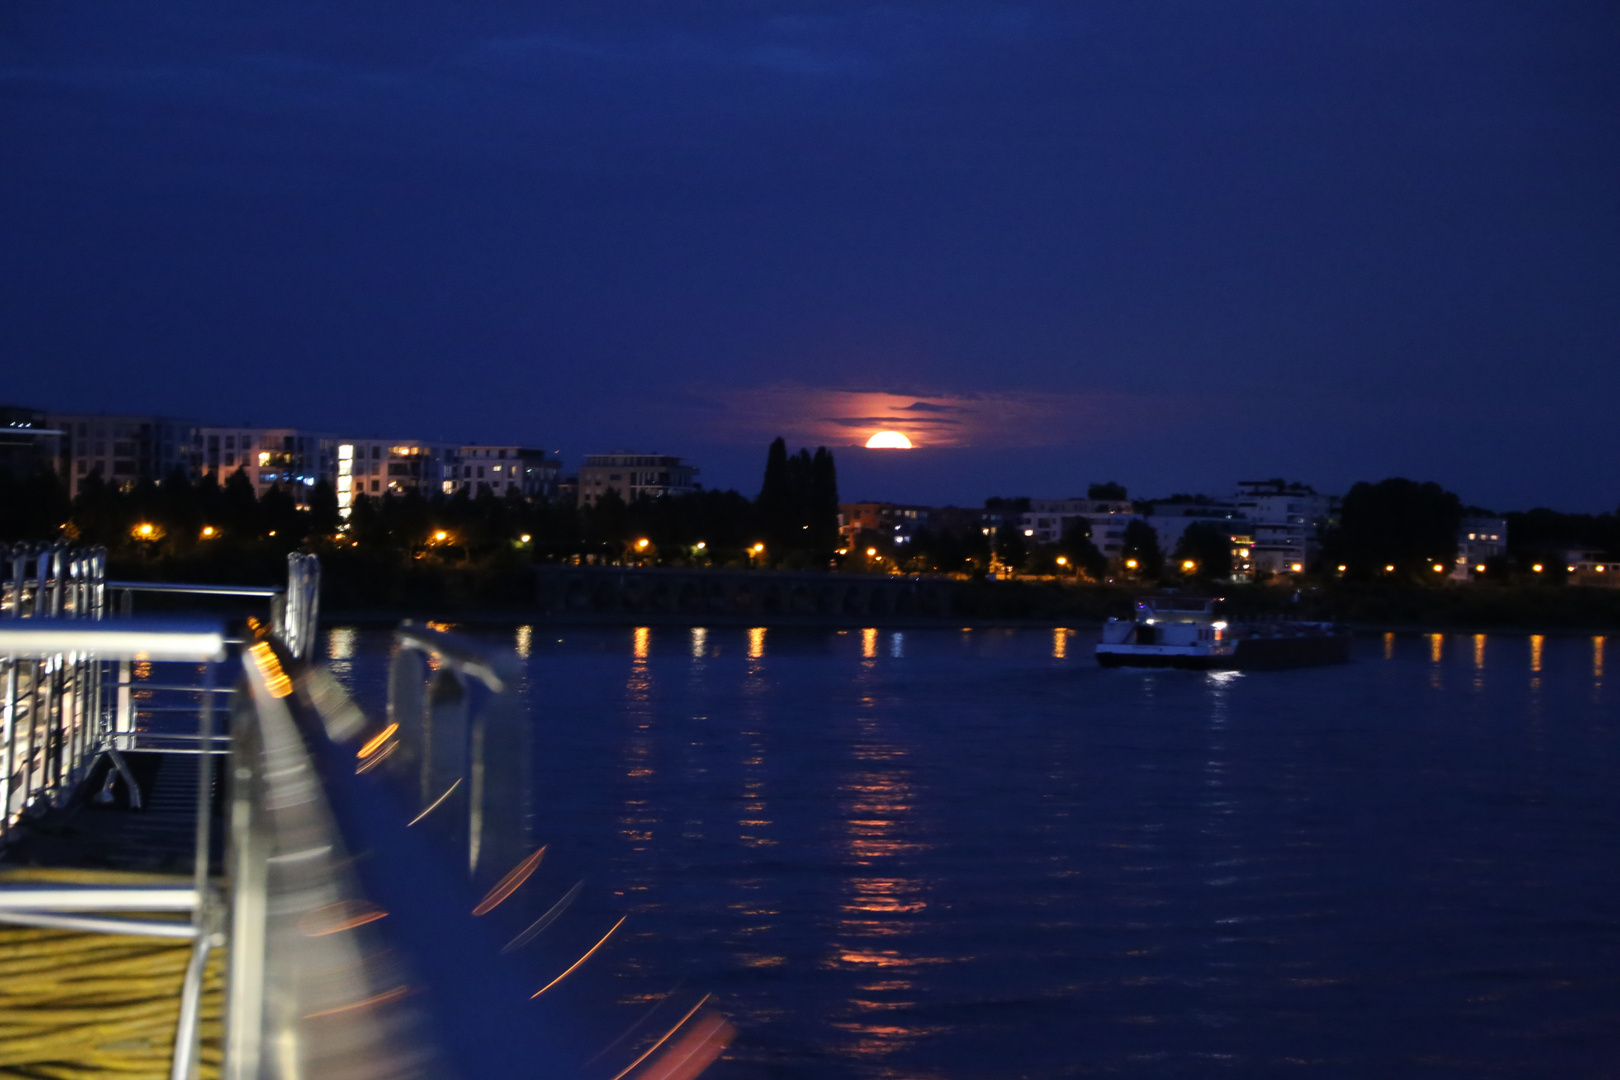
1173, 244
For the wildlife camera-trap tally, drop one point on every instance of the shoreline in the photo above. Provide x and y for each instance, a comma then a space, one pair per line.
499, 617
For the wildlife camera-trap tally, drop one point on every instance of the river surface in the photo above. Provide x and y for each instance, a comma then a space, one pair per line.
975, 854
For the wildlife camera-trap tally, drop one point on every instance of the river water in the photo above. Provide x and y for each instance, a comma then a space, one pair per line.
974, 854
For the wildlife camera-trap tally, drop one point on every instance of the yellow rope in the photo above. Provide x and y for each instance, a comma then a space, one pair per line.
75, 1005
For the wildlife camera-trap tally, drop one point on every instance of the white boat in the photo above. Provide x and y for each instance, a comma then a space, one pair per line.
1186, 632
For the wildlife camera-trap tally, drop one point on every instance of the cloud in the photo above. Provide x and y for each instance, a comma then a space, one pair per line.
980, 419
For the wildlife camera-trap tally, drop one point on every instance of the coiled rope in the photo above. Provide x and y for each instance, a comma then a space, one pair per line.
76, 1004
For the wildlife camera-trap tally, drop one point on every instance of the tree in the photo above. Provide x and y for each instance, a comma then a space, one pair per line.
823, 501
1209, 547
1141, 543
239, 505
798, 504
1110, 491
1399, 523
323, 509
1082, 554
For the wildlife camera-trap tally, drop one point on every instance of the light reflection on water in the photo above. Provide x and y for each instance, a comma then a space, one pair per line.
981, 856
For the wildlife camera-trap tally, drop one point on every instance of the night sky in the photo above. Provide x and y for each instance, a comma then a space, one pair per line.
1169, 244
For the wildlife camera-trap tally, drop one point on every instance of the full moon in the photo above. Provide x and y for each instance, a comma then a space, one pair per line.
888, 440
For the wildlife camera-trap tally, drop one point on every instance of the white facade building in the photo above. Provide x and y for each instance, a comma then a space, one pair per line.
124, 449
1047, 520
1478, 539
378, 467
505, 471
1289, 521
292, 459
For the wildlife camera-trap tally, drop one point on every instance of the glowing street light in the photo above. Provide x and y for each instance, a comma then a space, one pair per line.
701, 544
440, 536
525, 538
1536, 568
1130, 564
757, 548
1439, 568
641, 545
871, 552
1187, 566
1390, 569
1343, 568
1480, 569
209, 532
1063, 560
144, 531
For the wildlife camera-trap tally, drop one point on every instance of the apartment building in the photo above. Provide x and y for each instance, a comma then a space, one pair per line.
1047, 520
1479, 539
28, 443
123, 449
1289, 521
635, 476
289, 458
505, 471
378, 467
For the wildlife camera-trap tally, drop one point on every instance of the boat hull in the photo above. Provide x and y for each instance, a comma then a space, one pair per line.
1245, 654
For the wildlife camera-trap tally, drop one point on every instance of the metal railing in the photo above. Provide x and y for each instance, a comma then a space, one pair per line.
455, 718
51, 701
55, 644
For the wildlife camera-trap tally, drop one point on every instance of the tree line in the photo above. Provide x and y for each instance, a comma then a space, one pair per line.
793, 522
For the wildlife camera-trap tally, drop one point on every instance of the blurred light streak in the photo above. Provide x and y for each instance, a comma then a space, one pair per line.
1536, 641
575, 965
335, 918
1479, 651
700, 641
643, 642
694, 1053
547, 919
869, 643
1597, 657
1436, 645
376, 741
649, 1051
434, 805
509, 884
376, 759
756, 643
275, 678
383, 998
525, 641
1060, 644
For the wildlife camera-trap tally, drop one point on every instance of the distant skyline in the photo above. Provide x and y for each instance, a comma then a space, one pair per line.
1170, 244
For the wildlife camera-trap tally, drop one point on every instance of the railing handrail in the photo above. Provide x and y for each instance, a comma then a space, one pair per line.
453, 651
125, 639
196, 590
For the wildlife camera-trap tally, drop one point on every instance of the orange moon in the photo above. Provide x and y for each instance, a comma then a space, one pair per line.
888, 440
